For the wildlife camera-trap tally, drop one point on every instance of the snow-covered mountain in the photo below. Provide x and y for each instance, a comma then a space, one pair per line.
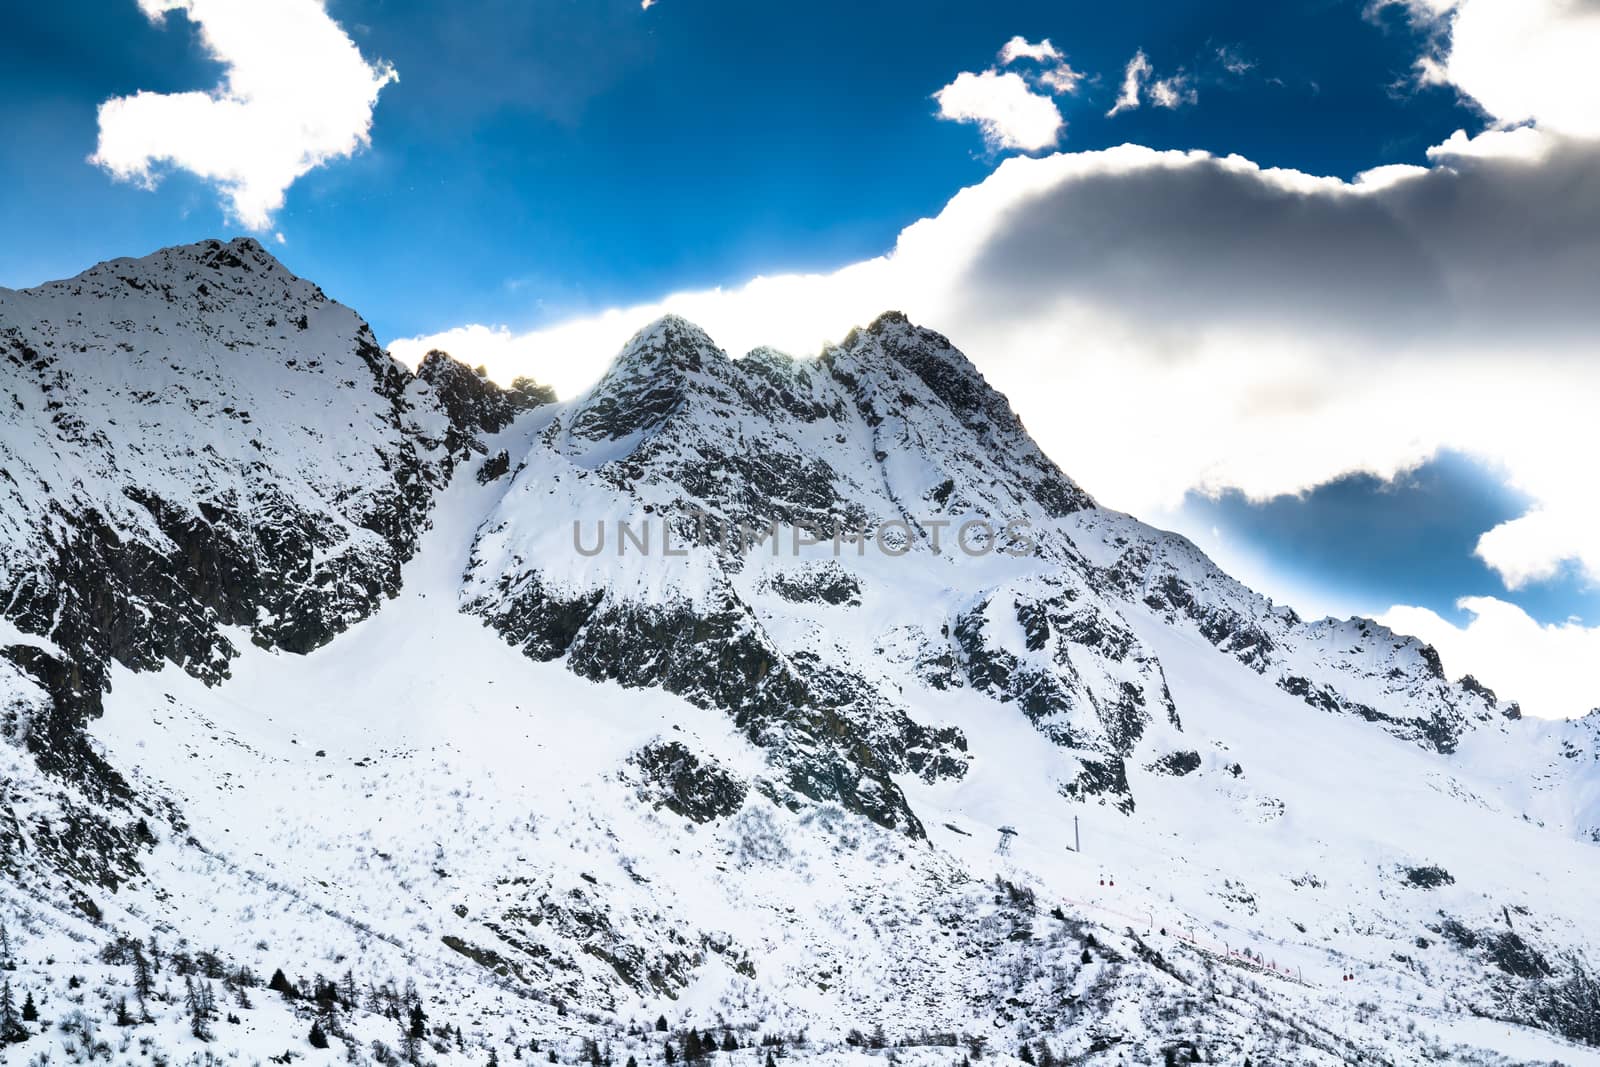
803, 704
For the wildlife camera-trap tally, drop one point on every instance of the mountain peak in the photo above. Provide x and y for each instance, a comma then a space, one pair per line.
239, 280
241, 255
895, 349
648, 380
671, 340
885, 374
889, 320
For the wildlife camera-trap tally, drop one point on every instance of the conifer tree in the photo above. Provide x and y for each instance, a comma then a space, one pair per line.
30, 1014
1025, 1054
408, 1043
415, 1029
210, 963
347, 990
197, 1000
208, 1010
143, 983
11, 1028
661, 1024
317, 1037
280, 984
123, 1018
327, 997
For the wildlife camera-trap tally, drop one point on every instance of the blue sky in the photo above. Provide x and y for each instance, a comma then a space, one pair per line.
1360, 543
1362, 394
539, 157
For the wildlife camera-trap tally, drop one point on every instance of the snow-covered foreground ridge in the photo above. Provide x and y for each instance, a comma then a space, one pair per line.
301, 670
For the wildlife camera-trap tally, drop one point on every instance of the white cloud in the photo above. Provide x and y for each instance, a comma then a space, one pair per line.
1137, 84
1010, 114
1005, 104
1132, 82
1020, 48
296, 94
1530, 59
1534, 547
1233, 61
1060, 80
1053, 73
1544, 668
1520, 60
1173, 92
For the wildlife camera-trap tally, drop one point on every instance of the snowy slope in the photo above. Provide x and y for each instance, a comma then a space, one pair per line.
755, 792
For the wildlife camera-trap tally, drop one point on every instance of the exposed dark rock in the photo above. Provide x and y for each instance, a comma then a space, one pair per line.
720, 657
474, 405
826, 583
673, 777
1106, 779
1472, 685
1458, 933
1429, 877
1509, 952
529, 394
1440, 730
496, 466
1177, 764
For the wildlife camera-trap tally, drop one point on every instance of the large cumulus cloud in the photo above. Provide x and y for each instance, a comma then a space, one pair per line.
1216, 312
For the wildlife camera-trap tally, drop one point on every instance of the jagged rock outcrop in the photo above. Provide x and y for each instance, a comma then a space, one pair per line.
1352, 667
471, 404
